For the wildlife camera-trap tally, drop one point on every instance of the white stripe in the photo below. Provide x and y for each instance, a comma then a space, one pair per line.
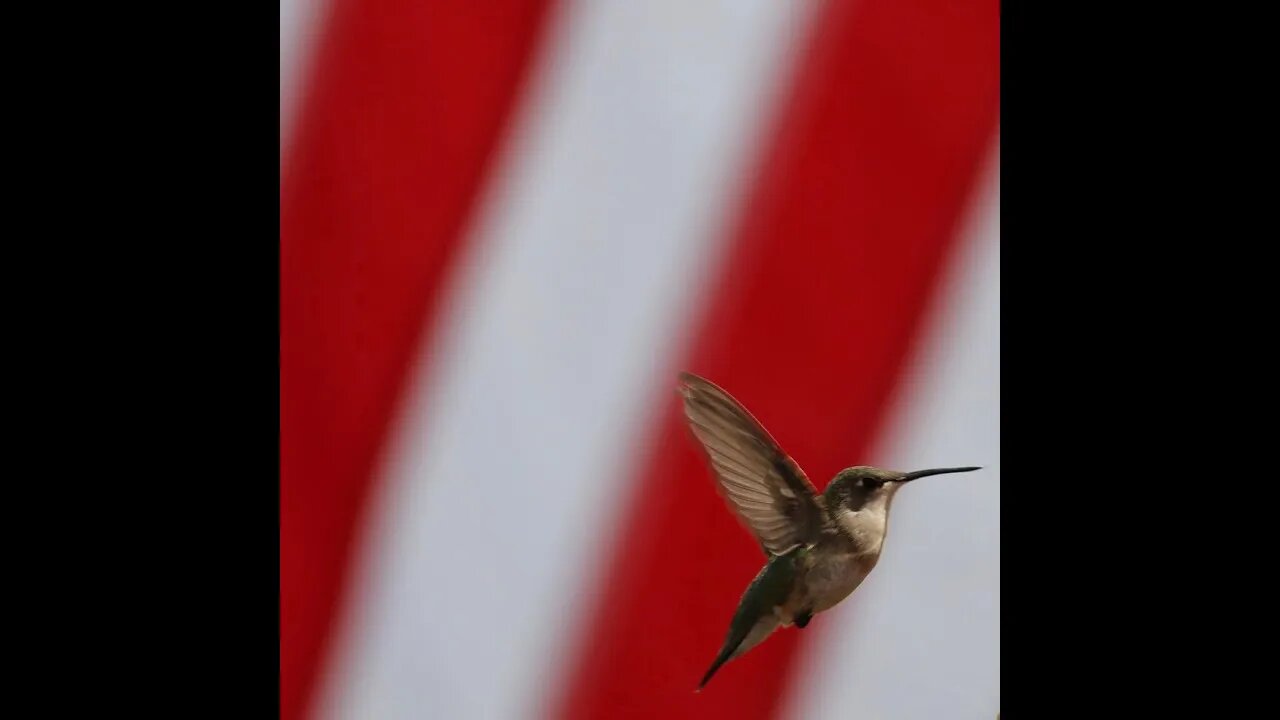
555, 356
921, 637
300, 24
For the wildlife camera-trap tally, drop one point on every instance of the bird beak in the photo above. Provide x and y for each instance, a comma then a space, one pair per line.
936, 471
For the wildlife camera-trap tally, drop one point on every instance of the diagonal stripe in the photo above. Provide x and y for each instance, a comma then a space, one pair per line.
558, 341
390, 146
923, 639
300, 22
851, 219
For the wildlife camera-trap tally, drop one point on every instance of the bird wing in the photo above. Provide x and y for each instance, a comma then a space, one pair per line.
762, 484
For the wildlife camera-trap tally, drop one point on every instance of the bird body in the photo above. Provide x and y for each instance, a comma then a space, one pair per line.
818, 547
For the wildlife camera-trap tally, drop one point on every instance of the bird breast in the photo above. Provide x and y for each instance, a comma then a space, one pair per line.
837, 569
833, 576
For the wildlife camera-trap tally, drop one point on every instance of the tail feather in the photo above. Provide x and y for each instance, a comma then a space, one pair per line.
737, 634
740, 642
754, 619
721, 659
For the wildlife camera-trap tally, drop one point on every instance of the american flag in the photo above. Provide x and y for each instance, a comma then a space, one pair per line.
506, 227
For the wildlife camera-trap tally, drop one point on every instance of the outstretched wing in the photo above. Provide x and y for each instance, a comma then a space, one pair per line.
761, 483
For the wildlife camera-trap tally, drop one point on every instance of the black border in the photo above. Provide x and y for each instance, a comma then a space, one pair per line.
174, 341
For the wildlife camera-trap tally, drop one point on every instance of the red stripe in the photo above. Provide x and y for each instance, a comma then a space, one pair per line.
408, 102
893, 108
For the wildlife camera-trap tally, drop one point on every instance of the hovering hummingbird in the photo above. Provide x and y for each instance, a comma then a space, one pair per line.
819, 547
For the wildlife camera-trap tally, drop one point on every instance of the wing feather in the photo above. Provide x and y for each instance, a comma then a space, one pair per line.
762, 485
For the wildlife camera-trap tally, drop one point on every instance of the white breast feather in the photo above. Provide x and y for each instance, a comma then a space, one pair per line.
868, 524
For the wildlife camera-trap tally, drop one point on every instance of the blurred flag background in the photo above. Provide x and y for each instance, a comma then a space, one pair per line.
506, 226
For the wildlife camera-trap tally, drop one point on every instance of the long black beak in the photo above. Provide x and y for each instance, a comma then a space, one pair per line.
936, 471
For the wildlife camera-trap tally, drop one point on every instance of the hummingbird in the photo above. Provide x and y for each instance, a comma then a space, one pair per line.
818, 547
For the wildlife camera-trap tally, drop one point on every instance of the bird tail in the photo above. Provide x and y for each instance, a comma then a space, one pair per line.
741, 638
721, 659
754, 619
